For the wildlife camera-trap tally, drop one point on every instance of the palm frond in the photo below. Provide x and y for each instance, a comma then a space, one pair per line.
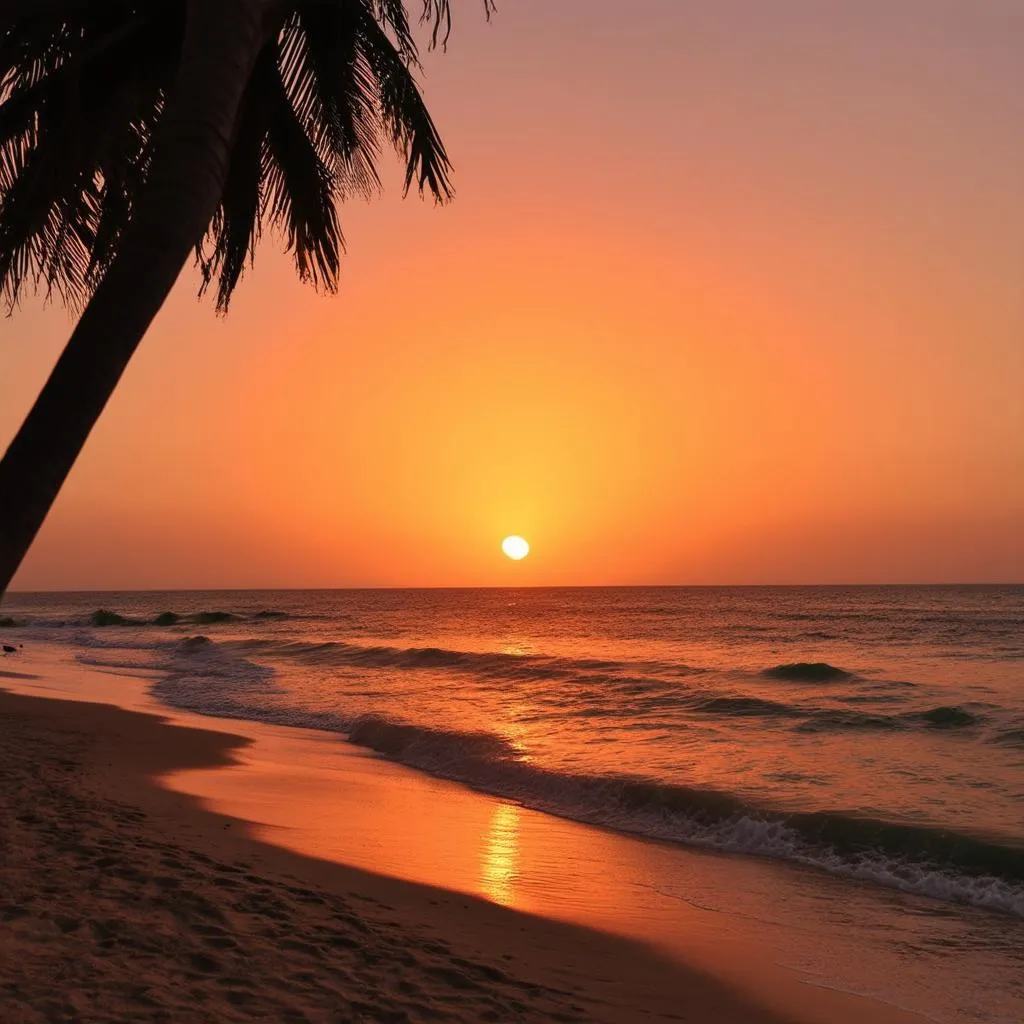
332, 93
235, 229
82, 92
392, 15
404, 113
437, 16
76, 119
300, 191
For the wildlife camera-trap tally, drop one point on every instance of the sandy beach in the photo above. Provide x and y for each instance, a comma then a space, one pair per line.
511, 515
125, 901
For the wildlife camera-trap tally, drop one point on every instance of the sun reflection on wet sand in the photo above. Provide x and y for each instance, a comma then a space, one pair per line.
499, 864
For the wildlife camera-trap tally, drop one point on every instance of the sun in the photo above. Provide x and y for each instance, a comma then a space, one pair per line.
515, 547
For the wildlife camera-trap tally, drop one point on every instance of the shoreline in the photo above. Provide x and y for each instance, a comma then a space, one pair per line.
123, 897
340, 815
804, 944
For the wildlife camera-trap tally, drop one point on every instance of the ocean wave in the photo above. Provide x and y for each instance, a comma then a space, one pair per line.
221, 679
808, 672
946, 718
193, 662
840, 719
640, 674
599, 687
913, 858
742, 706
213, 618
1011, 737
589, 687
103, 618
807, 717
399, 740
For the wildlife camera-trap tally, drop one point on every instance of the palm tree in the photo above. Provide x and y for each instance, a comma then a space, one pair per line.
137, 134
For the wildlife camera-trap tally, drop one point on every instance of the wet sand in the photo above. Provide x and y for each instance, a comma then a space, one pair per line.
123, 900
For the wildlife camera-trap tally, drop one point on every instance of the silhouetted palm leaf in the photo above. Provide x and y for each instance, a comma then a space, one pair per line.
134, 133
81, 96
78, 110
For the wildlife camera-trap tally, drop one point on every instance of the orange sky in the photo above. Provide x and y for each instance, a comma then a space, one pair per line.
730, 292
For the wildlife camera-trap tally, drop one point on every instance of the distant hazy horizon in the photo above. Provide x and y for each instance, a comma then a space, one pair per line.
965, 584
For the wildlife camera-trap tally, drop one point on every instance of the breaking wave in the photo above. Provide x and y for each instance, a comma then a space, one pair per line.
482, 664
912, 858
221, 679
637, 686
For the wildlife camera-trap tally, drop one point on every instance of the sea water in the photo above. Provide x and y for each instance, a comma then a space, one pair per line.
874, 734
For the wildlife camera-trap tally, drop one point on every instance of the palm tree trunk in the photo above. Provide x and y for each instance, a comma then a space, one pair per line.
190, 161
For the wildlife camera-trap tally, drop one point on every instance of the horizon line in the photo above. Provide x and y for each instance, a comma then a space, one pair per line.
558, 586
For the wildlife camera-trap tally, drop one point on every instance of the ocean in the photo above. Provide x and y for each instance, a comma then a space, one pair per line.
875, 733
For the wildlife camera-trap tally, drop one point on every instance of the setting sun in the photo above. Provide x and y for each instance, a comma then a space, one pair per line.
515, 547
719, 302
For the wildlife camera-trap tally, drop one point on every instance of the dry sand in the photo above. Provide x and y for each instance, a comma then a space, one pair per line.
123, 901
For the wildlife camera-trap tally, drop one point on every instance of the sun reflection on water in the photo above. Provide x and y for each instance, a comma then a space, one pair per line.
499, 864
